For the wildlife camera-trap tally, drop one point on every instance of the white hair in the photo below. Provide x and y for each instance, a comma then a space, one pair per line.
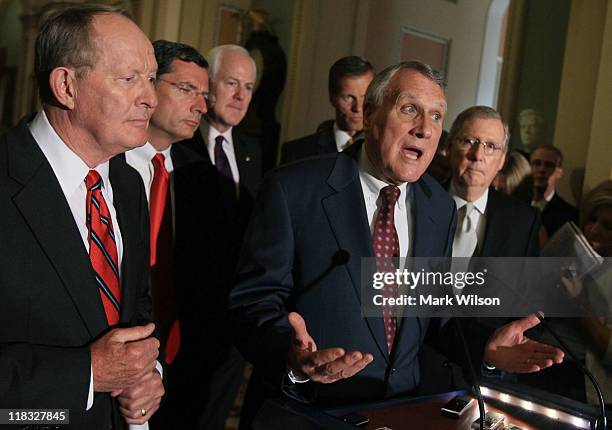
215, 55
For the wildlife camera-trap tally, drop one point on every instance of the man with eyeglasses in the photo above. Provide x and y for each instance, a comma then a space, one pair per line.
546, 169
213, 200
489, 223
182, 92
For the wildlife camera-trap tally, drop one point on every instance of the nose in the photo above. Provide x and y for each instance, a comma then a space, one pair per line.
476, 152
422, 128
240, 92
199, 105
148, 96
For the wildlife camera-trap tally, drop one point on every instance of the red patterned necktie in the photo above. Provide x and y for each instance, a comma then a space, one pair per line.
159, 192
102, 247
386, 246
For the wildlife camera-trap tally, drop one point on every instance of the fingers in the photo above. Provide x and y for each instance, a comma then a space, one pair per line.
133, 333
526, 323
343, 367
144, 397
300, 333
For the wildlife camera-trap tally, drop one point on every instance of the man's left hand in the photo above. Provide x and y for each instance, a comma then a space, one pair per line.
138, 403
510, 350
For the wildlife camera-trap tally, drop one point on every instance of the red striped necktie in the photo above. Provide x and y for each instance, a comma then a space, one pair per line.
102, 247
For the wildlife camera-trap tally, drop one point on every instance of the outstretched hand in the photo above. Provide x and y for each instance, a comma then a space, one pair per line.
510, 350
326, 365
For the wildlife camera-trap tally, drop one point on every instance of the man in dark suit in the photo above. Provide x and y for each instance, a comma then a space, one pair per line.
182, 93
489, 223
74, 229
213, 203
349, 78
297, 305
546, 168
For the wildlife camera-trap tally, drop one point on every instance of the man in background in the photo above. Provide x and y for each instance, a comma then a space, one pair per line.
546, 169
214, 199
74, 303
349, 78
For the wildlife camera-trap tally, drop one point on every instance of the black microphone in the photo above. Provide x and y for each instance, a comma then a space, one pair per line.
582, 367
475, 385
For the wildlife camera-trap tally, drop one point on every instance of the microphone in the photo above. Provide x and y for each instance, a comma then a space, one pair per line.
475, 385
582, 367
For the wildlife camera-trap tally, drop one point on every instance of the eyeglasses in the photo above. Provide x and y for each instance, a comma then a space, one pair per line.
467, 143
189, 92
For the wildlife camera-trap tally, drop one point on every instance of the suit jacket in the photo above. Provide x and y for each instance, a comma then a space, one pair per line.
50, 305
319, 143
511, 230
556, 213
302, 252
210, 224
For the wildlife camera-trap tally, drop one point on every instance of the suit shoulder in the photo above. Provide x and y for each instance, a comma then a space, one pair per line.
511, 206
304, 140
308, 169
435, 190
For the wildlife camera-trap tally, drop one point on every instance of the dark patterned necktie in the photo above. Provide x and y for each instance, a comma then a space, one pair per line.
102, 247
386, 246
221, 161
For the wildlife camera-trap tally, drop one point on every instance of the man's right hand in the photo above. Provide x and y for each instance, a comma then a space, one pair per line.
123, 356
324, 366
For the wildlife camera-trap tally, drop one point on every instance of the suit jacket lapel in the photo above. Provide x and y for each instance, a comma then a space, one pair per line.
126, 204
494, 238
45, 209
244, 160
347, 216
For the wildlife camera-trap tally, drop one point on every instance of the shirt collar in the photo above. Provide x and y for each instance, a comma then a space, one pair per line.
69, 169
145, 153
372, 183
211, 132
341, 138
480, 203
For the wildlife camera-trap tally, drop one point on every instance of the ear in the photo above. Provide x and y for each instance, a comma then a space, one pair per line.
62, 82
368, 115
502, 161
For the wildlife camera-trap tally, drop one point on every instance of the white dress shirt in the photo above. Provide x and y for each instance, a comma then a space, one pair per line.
70, 172
211, 134
342, 138
140, 159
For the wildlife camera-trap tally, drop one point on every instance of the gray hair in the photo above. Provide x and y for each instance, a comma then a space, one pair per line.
484, 112
379, 87
215, 55
65, 39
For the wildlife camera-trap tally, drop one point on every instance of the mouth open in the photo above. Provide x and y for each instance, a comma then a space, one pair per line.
412, 152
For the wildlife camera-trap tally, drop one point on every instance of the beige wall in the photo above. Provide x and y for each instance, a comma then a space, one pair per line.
463, 23
584, 117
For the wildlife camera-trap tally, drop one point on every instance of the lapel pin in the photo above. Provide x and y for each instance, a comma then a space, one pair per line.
247, 159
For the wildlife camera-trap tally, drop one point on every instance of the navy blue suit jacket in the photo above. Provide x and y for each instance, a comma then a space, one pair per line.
302, 252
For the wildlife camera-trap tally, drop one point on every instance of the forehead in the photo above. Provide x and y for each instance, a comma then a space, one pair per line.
411, 84
489, 129
188, 71
545, 155
120, 42
350, 83
236, 64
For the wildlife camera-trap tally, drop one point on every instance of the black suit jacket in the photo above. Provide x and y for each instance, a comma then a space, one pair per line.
511, 231
210, 224
50, 306
302, 252
556, 213
319, 143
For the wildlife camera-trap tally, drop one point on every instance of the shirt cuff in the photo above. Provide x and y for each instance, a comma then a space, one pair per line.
296, 379
90, 395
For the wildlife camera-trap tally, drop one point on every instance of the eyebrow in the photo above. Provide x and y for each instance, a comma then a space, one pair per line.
411, 96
